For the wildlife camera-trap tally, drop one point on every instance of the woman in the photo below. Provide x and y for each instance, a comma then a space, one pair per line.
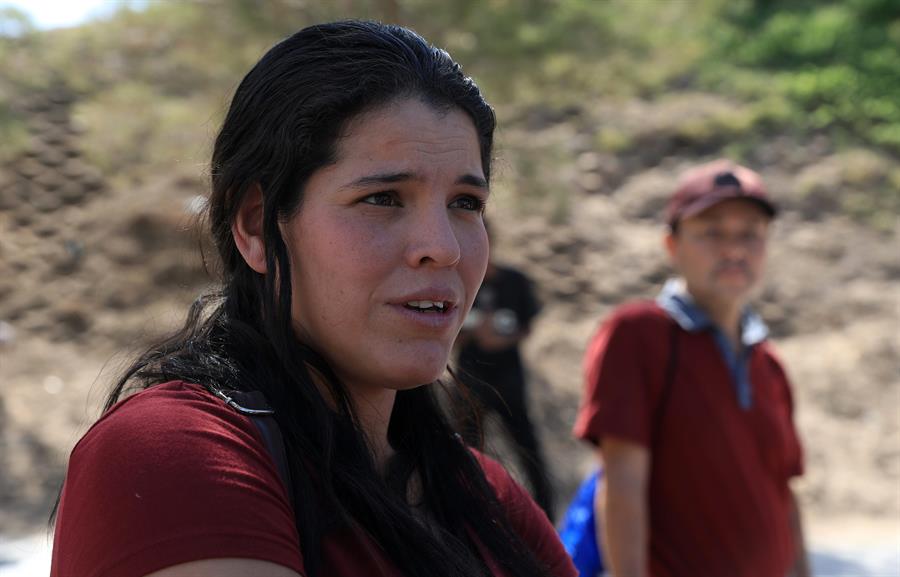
348, 184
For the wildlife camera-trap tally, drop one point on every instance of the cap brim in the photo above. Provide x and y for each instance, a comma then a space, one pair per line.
710, 200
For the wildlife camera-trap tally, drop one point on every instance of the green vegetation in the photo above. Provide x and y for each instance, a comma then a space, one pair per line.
13, 133
836, 63
152, 84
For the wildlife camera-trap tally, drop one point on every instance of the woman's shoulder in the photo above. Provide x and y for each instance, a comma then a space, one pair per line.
161, 419
516, 501
170, 465
173, 398
169, 432
496, 474
526, 518
156, 402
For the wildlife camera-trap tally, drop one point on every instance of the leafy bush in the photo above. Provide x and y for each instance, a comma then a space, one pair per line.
837, 63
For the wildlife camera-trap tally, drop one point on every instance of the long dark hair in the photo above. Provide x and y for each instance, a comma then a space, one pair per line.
282, 126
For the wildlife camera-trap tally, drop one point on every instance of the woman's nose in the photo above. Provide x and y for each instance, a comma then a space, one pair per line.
432, 239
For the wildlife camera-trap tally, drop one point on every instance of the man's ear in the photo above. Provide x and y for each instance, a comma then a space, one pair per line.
247, 230
670, 241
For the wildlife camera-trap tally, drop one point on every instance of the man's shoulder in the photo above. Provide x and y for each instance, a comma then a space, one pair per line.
767, 350
633, 322
638, 314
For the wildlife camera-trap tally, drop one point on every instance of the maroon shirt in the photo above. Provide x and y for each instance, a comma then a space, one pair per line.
719, 495
172, 475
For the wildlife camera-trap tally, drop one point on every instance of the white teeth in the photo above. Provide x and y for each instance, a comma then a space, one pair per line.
424, 305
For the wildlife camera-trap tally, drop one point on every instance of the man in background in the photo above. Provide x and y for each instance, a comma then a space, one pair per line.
690, 408
491, 367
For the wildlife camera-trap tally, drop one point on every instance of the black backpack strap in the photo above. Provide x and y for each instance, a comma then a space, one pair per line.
671, 370
254, 405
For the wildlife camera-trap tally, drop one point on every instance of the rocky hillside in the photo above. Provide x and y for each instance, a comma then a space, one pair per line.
89, 271
99, 249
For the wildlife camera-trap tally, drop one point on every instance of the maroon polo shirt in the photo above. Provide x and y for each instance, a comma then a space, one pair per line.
719, 495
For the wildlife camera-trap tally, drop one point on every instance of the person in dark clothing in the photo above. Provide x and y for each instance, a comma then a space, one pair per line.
491, 367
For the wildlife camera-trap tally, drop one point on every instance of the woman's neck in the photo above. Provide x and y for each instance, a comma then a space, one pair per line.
373, 410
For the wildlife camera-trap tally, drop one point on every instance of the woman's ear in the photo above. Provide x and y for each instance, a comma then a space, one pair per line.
247, 230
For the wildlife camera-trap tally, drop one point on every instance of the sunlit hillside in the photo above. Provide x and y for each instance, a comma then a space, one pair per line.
105, 132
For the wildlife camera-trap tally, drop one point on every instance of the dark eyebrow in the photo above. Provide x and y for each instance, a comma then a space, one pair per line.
472, 180
392, 177
386, 178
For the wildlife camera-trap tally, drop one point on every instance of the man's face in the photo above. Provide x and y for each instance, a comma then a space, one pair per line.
721, 252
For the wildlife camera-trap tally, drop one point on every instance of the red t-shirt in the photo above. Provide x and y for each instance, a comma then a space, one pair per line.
719, 495
172, 475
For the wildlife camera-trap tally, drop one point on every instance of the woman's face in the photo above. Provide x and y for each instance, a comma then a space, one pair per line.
388, 247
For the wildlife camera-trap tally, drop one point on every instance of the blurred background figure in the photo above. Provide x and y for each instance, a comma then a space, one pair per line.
490, 365
690, 409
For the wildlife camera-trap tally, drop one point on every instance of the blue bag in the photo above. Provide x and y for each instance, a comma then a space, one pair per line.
578, 530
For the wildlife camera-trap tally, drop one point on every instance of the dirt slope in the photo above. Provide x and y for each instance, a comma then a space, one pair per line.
89, 271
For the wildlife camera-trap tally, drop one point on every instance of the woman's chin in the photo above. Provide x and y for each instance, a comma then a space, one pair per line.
418, 374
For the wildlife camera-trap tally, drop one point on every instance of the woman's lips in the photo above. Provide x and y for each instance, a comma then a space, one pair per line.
428, 319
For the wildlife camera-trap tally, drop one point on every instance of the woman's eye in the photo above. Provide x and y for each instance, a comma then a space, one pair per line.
381, 199
468, 203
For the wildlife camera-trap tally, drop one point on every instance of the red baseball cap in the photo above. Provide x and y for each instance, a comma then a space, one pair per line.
708, 184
